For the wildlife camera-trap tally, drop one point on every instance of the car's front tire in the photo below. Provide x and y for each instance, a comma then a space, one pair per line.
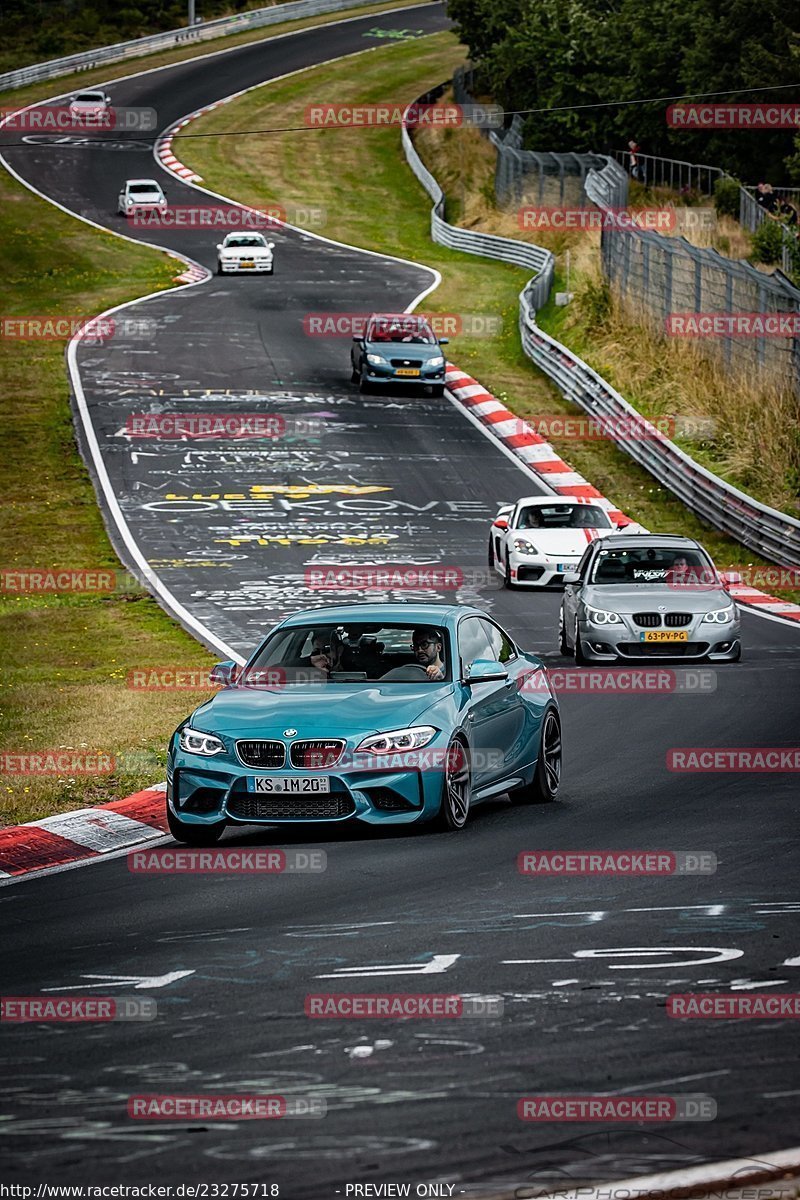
543, 788
580, 658
194, 835
563, 644
507, 574
437, 389
456, 788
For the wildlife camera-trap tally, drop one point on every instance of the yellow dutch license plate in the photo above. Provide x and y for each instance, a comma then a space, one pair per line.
665, 635
247, 264
406, 371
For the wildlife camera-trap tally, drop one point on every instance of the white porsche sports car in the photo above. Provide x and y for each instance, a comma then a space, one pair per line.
534, 542
140, 196
245, 252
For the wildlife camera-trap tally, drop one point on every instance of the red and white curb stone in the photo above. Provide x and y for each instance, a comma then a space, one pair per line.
164, 145
86, 833
543, 461
530, 447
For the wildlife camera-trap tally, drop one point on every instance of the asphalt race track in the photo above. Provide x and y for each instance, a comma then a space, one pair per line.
407, 1101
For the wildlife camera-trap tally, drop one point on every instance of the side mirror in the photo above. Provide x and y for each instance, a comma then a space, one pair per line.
220, 246
500, 523
444, 341
107, 99
571, 577
485, 670
730, 577
225, 674
271, 245
358, 339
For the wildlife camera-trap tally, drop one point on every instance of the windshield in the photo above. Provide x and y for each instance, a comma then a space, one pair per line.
139, 189
242, 239
90, 98
401, 329
352, 652
563, 516
652, 564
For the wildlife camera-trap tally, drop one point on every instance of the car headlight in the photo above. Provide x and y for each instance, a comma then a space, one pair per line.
377, 360
720, 616
600, 616
438, 361
523, 546
398, 739
193, 741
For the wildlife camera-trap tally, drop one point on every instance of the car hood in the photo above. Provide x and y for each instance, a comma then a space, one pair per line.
626, 598
247, 251
570, 542
334, 710
404, 349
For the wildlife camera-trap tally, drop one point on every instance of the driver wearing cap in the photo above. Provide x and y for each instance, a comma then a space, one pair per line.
427, 645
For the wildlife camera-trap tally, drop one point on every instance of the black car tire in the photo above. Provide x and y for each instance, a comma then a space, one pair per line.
543, 788
580, 658
363, 383
563, 645
194, 835
456, 789
437, 389
507, 573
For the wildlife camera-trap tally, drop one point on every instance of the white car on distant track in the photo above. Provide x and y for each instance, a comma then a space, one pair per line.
139, 196
245, 252
90, 106
534, 542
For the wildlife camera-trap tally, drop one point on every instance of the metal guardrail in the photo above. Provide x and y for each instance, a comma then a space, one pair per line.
470, 241
772, 534
222, 27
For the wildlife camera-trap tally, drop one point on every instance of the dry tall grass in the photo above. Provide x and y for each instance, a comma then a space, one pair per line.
746, 427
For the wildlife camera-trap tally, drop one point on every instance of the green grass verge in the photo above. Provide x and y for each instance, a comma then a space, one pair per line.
361, 178
66, 658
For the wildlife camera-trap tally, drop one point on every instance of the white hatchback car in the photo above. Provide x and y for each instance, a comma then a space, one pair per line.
249, 253
90, 106
534, 542
139, 196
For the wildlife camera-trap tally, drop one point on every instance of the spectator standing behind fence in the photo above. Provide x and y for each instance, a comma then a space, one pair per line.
765, 197
635, 163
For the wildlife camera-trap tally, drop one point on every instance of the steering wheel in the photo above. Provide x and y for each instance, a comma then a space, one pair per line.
402, 673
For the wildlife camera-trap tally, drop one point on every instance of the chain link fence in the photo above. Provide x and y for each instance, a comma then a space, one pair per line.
667, 277
662, 278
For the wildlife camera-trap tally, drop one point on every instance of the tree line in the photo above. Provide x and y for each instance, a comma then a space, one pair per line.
561, 54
